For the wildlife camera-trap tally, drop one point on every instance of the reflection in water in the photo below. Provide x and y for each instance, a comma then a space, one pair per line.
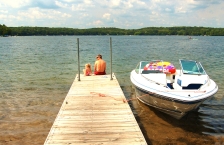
160, 128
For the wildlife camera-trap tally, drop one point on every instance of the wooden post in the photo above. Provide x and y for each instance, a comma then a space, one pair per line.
78, 60
111, 59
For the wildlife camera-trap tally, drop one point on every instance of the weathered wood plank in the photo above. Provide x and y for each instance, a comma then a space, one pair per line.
125, 141
96, 131
89, 124
95, 142
95, 112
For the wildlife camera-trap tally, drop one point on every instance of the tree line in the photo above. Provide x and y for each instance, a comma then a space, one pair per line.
4, 30
42, 31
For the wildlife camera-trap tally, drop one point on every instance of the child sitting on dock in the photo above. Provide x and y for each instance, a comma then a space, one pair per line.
87, 71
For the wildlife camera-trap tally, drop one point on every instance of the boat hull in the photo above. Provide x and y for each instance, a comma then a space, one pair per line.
174, 108
174, 93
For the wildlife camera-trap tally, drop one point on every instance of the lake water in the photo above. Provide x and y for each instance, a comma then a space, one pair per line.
36, 73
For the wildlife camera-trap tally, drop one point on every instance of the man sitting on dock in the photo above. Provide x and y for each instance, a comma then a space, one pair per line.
100, 66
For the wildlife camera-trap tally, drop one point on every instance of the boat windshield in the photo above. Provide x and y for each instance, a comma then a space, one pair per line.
191, 67
140, 67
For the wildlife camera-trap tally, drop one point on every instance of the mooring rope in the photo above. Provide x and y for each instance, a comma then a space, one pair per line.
104, 95
124, 100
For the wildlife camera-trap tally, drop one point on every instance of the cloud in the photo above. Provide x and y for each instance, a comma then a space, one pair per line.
62, 5
82, 6
3, 11
106, 16
73, 1
44, 4
115, 3
38, 14
13, 3
116, 13
87, 1
3, 17
78, 7
98, 23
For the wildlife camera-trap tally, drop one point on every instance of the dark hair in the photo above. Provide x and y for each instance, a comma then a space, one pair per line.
100, 56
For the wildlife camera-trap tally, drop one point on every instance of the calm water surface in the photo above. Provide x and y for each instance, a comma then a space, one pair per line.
36, 73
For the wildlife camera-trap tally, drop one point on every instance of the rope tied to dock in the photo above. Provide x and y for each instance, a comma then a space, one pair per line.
134, 98
124, 100
104, 95
99, 94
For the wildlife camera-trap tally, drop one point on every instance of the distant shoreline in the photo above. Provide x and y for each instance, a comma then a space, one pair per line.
51, 31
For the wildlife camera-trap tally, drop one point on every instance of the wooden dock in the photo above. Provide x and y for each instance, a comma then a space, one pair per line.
94, 113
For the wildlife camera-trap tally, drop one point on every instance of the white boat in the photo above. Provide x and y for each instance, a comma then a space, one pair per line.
173, 91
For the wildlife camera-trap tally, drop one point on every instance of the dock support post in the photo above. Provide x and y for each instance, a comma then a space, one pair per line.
111, 59
78, 60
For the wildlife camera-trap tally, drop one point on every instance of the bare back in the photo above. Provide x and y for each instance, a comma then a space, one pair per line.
100, 65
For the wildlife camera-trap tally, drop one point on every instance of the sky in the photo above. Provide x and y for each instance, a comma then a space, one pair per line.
125, 14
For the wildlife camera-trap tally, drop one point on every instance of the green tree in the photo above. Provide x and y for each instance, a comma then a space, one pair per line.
29, 31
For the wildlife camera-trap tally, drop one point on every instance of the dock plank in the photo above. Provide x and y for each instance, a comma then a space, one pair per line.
95, 112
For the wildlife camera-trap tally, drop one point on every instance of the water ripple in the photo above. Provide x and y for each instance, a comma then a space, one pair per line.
37, 72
